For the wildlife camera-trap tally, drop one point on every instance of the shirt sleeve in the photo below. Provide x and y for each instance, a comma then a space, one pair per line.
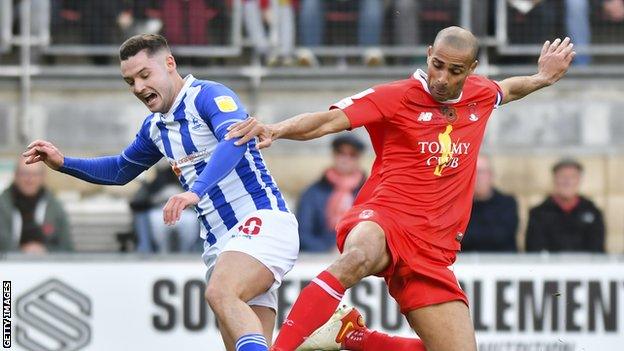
140, 155
219, 107
371, 105
498, 92
223, 160
142, 150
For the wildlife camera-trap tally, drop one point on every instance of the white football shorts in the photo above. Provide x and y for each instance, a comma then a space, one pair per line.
271, 237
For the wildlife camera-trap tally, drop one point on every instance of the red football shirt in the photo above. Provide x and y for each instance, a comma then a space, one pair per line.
426, 152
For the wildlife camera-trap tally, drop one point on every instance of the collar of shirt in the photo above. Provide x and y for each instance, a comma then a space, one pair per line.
421, 76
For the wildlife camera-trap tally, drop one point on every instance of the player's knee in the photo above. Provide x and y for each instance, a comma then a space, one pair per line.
215, 296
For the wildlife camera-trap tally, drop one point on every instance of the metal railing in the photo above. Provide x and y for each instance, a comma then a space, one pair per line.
505, 47
233, 48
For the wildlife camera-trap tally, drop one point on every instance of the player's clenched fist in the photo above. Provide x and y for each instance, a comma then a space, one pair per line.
176, 204
44, 151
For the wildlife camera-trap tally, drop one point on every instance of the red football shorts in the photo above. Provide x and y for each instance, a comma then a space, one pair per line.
420, 274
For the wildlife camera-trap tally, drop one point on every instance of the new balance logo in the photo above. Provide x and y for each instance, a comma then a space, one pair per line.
425, 116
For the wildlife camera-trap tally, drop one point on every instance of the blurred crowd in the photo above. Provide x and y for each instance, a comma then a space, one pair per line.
285, 32
32, 220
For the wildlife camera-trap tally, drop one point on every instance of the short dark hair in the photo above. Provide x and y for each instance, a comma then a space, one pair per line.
135, 44
347, 139
567, 162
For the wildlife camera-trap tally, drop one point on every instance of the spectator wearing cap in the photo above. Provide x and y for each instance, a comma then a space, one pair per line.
494, 219
324, 202
566, 221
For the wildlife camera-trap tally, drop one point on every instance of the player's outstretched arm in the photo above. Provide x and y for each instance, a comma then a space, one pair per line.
305, 126
44, 151
552, 64
107, 170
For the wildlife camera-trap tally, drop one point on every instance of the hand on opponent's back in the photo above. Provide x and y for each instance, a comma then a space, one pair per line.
249, 129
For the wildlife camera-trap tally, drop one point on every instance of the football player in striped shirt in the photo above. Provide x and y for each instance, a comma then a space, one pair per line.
251, 237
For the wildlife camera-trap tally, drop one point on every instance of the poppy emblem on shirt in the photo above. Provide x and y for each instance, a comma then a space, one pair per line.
449, 113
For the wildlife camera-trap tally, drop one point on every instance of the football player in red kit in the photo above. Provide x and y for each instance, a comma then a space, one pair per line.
408, 220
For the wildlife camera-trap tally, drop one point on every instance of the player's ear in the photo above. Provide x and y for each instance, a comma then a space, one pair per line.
473, 66
170, 63
429, 51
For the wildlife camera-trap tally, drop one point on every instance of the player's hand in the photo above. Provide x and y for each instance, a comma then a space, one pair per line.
176, 204
554, 60
249, 129
44, 151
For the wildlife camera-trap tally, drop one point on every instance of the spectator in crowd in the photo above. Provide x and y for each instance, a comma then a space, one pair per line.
186, 22
532, 21
256, 14
494, 219
32, 220
286, 33
312, 25
139, 16
324, 202
151, 232
578, 28
566, 221
608, 22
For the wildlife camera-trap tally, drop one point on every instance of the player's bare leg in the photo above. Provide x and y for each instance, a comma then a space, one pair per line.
267, 319
444, 327
364, 254
228, 340
236, 279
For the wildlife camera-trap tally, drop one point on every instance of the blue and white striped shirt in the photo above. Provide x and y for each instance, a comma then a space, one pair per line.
188, 135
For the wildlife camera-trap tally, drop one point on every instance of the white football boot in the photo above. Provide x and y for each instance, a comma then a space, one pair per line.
330, 335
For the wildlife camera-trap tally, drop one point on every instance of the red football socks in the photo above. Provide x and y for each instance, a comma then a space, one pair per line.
314, 306
370, 340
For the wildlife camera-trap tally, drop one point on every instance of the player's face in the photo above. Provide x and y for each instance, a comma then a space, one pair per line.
149, 78
447, 70
567, 182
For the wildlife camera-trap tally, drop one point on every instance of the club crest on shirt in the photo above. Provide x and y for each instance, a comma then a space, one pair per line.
366, 214
472, 109
196, 123
449, 113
